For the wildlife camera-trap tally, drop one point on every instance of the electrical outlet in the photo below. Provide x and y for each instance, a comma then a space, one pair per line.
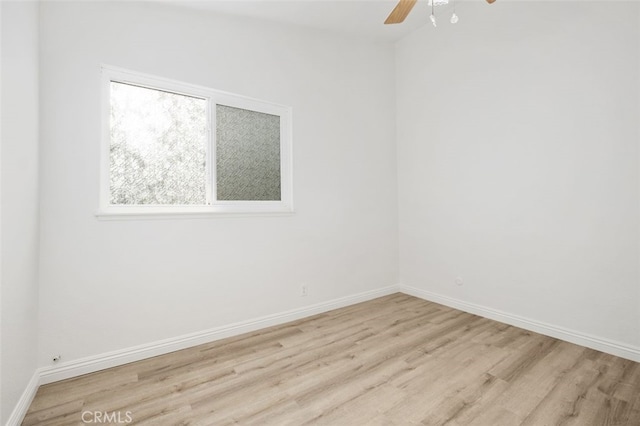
304, 290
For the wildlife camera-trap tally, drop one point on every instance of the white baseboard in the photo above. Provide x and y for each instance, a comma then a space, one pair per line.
18, 413
604, 345
100, 362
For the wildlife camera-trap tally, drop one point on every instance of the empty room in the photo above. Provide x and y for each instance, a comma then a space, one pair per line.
353, 212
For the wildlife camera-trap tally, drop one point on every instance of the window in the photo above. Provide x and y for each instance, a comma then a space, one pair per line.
170, 147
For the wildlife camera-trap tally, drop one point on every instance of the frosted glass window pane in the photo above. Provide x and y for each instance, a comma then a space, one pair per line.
158, 147
247, 155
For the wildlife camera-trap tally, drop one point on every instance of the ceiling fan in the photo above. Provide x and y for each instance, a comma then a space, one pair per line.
402, 9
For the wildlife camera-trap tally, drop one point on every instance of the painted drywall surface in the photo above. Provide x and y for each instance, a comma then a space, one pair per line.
518, 162
108, 285
2, 418
19, 168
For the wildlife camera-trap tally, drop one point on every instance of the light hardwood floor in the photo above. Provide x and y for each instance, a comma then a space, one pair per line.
397, 360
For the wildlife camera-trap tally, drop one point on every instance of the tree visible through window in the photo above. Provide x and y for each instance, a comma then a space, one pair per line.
158, 147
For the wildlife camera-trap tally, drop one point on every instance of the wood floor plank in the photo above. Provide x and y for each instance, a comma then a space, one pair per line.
396, 360
36, 417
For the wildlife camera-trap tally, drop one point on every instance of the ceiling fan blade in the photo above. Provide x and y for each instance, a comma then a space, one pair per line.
400, 12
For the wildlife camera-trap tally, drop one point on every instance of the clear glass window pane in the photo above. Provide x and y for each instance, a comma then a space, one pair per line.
158, 147
247, 155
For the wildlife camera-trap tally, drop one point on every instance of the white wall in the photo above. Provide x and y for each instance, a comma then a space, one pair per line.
518, 162
107, 285
19, 189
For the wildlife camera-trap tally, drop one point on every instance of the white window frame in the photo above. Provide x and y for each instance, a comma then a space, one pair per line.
213, 98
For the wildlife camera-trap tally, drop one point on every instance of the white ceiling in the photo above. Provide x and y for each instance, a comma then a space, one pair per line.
360, 18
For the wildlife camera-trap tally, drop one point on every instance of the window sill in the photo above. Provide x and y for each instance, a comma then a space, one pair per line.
138, 213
